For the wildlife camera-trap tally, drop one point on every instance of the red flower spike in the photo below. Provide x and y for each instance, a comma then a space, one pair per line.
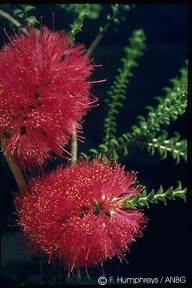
77, 213
44, 92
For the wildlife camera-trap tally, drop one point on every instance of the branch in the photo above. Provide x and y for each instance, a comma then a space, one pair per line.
111, 19
97, 40
74, 147
12, 20
14, 167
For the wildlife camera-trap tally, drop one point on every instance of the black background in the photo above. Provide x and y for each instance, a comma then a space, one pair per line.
164, 249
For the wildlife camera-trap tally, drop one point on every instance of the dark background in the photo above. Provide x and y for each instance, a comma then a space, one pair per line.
164, 249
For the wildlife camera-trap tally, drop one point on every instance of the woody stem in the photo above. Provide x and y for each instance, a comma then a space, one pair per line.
95, 43
14, 167
12, 20
74, 147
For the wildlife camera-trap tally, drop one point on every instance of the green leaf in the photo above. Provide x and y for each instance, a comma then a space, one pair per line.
160, 198
32, 20
143, 202
150, 196
160, 191
115, 155
169, 194
125, 151
76, 27
28, 8
17, 11
94, 151
114, 141
104, 147
84, 155
21, 15
180, 195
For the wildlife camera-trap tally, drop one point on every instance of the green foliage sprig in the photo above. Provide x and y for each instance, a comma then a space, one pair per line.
117, 91
173, 104
143, 199
176, 147
24, 13
94, 9
76, 27
115, 17
170, 106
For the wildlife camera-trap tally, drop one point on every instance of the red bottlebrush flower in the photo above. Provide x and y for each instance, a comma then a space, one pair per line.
77, 213
44, 92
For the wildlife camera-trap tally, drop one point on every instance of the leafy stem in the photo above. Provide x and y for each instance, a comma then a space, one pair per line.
77, 25
117, 92
174, 146
143, 199
170, 106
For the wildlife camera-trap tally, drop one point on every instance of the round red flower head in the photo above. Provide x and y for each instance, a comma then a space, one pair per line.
77, 213
44, 92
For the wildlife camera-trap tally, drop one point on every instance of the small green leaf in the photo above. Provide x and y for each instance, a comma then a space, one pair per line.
160, 191
115, 155
179, 188
143, 202
144, 193
169, 193
159, 197
150, 196
32, 20
28, 8
17, 11
180, 195
114, 141
104, 147
94, 151
125, 150
21, 15
84, 155
135, 198
129, 205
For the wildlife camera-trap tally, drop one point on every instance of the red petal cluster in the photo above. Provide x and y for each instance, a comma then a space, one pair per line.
77, 213
44, 92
